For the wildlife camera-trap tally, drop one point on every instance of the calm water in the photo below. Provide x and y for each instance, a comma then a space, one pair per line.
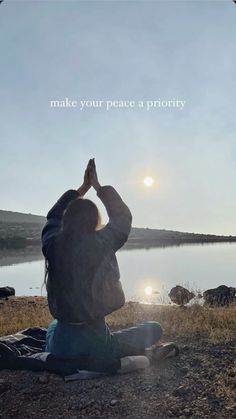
196, 266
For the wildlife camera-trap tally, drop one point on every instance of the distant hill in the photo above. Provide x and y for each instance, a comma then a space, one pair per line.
19, 217
147, 237
18, 230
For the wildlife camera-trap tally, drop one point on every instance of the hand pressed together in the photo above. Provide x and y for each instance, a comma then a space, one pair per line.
90, 178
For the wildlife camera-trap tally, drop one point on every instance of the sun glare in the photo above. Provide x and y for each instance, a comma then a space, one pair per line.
148, 181
148, 290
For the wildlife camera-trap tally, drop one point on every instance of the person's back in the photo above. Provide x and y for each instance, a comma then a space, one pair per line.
83, 282
82, 272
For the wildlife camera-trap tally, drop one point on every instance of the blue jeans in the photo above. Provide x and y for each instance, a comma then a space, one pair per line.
134, 340
70, 341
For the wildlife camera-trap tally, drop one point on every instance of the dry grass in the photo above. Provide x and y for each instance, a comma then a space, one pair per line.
17, 313
227, 387
216, 324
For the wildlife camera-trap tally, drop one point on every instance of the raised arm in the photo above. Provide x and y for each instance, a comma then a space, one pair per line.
54, 219
54, 216
120, 218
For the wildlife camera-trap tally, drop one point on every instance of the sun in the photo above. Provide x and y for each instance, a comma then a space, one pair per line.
148, 181
148, 290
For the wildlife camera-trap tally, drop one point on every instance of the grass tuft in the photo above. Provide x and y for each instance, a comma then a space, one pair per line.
216, 324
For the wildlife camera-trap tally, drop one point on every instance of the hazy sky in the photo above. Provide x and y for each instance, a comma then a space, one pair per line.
133, 50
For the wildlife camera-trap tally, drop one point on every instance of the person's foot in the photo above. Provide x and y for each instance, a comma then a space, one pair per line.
133, 363
164, 351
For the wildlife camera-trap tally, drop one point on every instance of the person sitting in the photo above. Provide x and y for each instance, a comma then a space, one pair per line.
83, 280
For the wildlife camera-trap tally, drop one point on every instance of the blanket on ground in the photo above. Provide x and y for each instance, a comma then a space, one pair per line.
25, 351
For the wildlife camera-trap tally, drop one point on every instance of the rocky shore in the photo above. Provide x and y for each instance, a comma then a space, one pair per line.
200, 382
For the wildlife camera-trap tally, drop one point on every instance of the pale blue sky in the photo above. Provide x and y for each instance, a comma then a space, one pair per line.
121, 50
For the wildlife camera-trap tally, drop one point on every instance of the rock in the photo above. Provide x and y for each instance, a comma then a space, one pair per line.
113, 402
231, 409
180, 295
187, 412
4, 386
185, 348
184, 370
43, 379
181, 391
220, 296
195, 362
232, 382
6, 292
169, 413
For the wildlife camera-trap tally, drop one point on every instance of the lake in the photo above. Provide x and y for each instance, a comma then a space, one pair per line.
197, 267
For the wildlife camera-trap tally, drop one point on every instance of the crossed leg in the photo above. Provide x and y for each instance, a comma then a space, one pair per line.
134, 340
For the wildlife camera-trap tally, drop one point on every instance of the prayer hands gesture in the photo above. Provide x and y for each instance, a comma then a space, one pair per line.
90, 178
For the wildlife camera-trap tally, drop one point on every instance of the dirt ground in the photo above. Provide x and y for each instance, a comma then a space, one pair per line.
200, 382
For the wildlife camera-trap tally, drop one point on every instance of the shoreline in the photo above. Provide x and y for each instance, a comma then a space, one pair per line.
22, 243
200, 382
31, 253
214, 323
21, 231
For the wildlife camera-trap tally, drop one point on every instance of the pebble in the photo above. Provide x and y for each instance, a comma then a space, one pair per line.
187, 412
43, 379
113, 402
195, 362
184, 370
231, 408
120, 394
181, 391
185, 348
4, 385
